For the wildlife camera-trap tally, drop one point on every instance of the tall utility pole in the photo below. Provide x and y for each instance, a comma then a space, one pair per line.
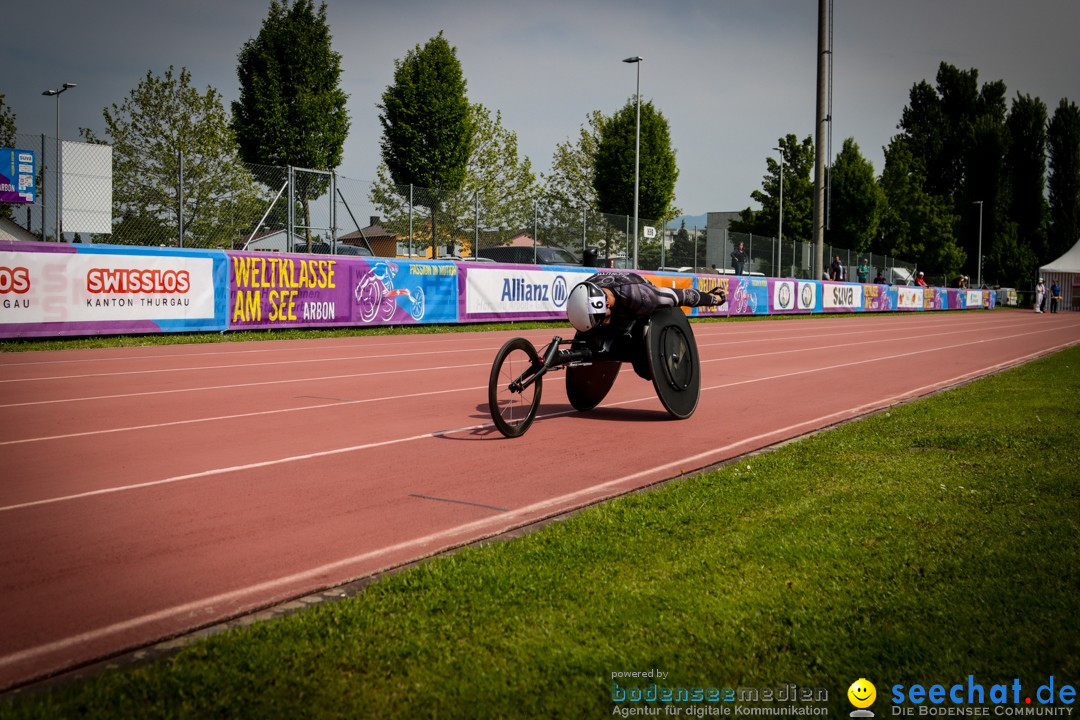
819, 142
56, 93
780, 231
636, 60
979, 273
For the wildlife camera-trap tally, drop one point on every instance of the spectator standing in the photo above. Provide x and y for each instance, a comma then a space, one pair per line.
863, 271
738, 258
1055, 296
836, 270
1040, 295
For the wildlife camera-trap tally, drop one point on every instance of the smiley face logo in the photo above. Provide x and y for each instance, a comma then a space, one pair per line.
862, 693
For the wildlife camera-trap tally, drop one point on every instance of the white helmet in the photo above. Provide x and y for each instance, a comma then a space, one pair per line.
586, 306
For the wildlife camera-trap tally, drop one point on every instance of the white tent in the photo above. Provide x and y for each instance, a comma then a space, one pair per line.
1065, 271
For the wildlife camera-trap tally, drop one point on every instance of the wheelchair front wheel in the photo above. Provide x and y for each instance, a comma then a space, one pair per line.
512, 407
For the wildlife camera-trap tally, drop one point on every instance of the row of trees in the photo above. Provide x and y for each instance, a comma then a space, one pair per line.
960, 162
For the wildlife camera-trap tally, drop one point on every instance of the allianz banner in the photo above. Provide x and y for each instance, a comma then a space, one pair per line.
506, 292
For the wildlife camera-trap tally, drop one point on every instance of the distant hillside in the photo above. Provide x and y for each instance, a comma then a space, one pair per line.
692, 221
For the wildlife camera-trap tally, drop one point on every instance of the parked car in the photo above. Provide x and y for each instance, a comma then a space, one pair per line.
321, 248
524, 255
469, 258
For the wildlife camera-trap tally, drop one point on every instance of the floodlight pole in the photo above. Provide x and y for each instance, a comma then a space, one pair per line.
980, 204
636, 60
780, 231
56, 93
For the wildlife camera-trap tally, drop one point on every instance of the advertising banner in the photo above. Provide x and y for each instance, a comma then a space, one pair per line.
784, 297
935, 298
809, 293
277, 291
841, 297
18, 168
878, 298
53, 289
909, 298
745, 295
505, 292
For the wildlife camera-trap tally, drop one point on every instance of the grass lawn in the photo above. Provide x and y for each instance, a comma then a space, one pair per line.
921, 545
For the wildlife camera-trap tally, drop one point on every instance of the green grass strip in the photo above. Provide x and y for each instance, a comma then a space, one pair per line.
925, 544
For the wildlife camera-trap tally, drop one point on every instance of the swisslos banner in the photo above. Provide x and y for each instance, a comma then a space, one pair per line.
73, 290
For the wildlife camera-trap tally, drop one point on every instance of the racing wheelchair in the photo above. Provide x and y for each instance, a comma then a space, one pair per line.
660, 347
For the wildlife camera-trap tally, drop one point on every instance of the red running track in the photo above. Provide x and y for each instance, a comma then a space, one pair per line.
150, 491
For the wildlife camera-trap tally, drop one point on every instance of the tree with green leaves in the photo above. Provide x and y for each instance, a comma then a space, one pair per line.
916, 225
956, 131
291, 110
428, 124
573, 168
939, 122
798, 195
502, 184
498, 183
1063, 139
615, 163
1025, 171
162, 119
857, 201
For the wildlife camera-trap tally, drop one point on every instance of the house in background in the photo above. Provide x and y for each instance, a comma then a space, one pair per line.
381, 241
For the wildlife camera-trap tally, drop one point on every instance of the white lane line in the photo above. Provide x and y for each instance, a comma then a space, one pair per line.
243, 385
153, 371
491, 525
238, 416
439, 433
278, 346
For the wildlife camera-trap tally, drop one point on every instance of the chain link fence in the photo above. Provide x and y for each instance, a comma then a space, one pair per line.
201, 202
795, 259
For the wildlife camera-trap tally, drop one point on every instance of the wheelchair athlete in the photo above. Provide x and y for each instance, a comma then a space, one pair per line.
616, 298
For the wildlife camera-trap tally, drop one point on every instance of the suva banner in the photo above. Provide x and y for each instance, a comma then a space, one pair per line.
51, 289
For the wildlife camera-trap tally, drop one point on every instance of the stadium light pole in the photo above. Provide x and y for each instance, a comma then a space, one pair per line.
980, 204
50, 93
636, 60
780, 231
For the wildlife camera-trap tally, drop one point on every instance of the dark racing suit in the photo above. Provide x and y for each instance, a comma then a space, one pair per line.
637, 297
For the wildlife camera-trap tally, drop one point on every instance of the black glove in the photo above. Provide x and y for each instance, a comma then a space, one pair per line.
718, 296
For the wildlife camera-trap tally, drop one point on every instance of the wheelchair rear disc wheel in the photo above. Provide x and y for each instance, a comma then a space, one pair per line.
513, 411
676, 370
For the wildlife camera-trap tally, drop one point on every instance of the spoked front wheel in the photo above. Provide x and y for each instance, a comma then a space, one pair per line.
514, 387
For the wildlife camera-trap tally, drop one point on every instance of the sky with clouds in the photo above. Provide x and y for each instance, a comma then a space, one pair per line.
730, 76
